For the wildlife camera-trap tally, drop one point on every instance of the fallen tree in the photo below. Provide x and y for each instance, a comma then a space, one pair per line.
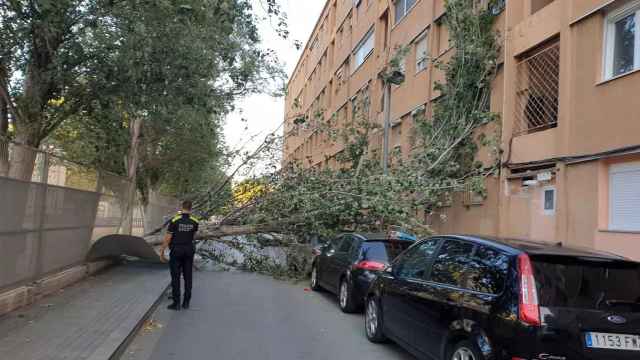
300, 200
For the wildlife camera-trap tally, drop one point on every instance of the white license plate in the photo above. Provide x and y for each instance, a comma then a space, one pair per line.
612, 341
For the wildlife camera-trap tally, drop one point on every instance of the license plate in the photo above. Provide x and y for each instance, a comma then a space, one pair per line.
612, 341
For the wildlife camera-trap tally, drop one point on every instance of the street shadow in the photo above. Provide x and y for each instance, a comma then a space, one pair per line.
356, 320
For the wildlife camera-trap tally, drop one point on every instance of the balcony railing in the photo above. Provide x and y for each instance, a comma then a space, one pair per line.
538, 80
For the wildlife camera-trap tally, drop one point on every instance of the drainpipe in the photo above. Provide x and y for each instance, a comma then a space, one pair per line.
396, 77
387, 127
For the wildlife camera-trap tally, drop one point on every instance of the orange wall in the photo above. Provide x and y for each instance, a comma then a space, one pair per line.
594, 115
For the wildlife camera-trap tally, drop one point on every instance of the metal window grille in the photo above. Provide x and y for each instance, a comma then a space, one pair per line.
470, 197
538, 83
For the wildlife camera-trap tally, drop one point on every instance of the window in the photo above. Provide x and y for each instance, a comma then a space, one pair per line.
334, 244
498, 6
413, 264
549, 200
451, 263
402, 8
364, 48
314, 44
622, 41
422, 52
487, 271
345, 246
624, 197
580, 283
383, 250
537, 5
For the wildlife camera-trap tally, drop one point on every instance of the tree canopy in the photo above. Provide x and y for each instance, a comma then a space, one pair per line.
118, 84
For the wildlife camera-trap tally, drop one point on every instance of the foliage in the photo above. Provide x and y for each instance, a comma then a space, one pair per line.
449, 138
289, 262
356, 195
78, 73
248, 190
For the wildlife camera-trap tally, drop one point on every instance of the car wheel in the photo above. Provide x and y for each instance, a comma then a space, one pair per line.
345, 297
373, 321
315, 286
465, 350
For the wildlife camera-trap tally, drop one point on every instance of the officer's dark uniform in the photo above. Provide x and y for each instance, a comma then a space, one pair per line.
183, 228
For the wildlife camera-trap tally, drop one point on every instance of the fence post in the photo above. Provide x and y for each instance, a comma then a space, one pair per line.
43, 213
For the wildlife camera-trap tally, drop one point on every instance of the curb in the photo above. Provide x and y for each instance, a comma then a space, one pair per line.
124, 344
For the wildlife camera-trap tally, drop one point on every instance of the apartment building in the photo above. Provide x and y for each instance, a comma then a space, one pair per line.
567, 90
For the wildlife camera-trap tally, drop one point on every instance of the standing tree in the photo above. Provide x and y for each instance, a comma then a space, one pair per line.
164, 76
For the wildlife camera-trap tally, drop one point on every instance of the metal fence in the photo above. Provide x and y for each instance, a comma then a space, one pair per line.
51, 210
538, 83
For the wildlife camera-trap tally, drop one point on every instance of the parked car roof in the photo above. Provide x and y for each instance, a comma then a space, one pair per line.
540, 247
376, 236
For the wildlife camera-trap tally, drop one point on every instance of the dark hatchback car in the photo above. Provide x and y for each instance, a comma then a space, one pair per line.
471, 298
349, 263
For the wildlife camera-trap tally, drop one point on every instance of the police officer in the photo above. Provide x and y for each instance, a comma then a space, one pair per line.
180, 240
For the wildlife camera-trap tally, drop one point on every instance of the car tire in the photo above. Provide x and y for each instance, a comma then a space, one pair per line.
345, 297
373, 321
314, 283
465, 350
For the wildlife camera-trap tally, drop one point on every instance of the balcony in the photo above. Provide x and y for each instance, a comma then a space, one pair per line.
537, 88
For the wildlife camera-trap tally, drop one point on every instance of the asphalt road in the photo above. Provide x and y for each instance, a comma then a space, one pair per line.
241, 316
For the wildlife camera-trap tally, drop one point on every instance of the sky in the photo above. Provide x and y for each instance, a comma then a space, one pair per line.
263, 113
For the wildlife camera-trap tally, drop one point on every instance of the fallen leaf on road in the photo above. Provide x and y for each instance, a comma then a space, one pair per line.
151, 325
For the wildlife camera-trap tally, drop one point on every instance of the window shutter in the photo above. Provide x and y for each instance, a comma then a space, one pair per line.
624, 197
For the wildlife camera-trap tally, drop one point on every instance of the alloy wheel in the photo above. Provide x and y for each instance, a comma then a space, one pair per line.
463, 354
314, 277
343, 294
371, 318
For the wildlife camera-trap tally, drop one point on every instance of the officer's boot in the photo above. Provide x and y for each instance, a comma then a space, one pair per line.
175, 305
185, 304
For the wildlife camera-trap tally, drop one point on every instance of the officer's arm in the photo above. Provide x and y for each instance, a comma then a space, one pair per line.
166, 242
164, 246
167, 238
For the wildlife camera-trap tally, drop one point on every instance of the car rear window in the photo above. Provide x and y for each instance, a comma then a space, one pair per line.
383, 250
588, 284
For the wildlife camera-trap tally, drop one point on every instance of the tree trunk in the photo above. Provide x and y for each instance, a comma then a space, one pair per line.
4, 132
126, 223
23, 157
211, 232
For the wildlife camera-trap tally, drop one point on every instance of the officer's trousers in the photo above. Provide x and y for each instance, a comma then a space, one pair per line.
181, 263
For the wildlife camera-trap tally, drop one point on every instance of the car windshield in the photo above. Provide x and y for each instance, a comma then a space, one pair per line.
384, 251
588, 283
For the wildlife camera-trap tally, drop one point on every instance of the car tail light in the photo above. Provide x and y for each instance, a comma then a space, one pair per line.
529, 309
370, 265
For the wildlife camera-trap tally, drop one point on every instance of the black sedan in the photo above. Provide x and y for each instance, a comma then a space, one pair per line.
349, 263
476, 298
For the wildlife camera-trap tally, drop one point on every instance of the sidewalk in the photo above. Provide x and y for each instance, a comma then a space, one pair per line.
89, 320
